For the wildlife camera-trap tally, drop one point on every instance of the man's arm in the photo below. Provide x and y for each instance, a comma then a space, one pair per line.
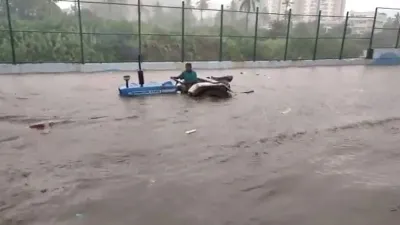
180, 76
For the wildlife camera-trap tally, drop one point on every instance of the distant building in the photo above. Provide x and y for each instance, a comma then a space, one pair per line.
113, 11
362, 22
328, 7
309, 7
275, 6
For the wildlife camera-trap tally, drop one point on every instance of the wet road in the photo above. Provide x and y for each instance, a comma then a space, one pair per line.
310, 146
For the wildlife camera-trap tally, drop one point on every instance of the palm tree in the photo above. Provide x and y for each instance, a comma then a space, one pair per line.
158, 14
264, 16
189, 12
233, 15
115, 11
396, 20
286, 4
202, 4
248, 5
188, 3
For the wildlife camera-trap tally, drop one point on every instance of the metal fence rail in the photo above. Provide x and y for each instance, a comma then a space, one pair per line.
255, 36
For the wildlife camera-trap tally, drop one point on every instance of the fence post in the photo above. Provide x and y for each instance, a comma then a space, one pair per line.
81, 32
183, 33
140, 26
370, 51
221, 33
317, 35
344, 36
255, 37
11, 33
287, 34
398, 39
373, 29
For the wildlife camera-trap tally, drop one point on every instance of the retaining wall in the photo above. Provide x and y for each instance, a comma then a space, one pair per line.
103, 67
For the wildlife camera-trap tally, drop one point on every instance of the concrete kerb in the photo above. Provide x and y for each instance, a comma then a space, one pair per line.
157, 66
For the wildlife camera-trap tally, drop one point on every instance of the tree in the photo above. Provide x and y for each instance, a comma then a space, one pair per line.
279, 29
188, 4
32, 9
396, 20
202, 4
112, 10
65, 47
264, 16
287, 4
233, 15
189, 17
233, 6
248, 6
158, 14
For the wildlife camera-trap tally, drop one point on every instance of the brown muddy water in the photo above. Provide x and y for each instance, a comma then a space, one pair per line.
311, 146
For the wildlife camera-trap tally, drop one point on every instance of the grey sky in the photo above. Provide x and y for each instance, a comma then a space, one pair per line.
356, 5
367, 5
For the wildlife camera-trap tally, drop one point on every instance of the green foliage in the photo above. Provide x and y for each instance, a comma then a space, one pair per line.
50, 35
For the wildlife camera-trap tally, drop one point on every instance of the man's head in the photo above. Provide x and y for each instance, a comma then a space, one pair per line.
188, 67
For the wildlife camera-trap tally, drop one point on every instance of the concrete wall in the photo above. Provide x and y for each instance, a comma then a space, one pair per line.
386, 56
104, 67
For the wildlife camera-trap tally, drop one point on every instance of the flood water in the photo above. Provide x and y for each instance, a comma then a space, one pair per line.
311, 146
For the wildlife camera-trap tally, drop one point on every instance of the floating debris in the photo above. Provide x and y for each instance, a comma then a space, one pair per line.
12, 138
287, 111
40, 125
97, 117
48, 124
248, 92
190, 131
26, 174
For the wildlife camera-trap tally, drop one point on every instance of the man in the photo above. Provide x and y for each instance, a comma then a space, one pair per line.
188, 76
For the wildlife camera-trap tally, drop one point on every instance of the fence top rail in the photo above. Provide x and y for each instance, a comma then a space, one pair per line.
387, 8
102, 3
361, 17
331, 16
124, 4
239, 11
271, 13
305, 15
194, 8
387, 28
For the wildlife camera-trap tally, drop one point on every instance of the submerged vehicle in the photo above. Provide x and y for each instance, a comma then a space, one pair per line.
205, 87
210, 86
150, 88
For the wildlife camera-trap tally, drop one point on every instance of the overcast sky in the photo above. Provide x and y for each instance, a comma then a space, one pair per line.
356, 5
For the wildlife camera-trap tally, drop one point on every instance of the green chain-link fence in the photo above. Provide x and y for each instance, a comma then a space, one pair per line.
118, 31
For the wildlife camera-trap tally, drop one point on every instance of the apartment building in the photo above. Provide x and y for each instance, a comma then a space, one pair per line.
309, 7
275, 6
328, 7
362, 22
113, 11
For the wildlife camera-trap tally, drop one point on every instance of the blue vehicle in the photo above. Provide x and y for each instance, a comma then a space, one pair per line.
211, 86
149, 88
